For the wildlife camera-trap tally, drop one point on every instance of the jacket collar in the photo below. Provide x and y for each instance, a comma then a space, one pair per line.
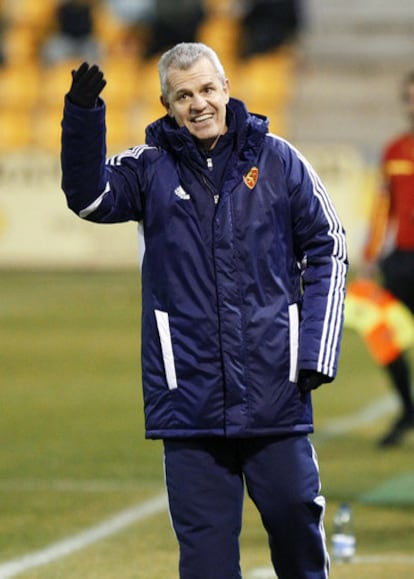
247, 129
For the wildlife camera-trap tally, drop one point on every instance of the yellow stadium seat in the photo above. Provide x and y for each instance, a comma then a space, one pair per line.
221, 32
56, 81
119, 38
19, 86
140, 118
15, 130
149, 80
30, 22
47, 129
35, 12
118, 129
266, 79
124, 81
265, 84
20, 44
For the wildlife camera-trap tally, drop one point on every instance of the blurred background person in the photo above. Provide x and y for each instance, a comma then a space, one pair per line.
135, 17
74, 35
390, 248
131, 11
174, 22
268, 24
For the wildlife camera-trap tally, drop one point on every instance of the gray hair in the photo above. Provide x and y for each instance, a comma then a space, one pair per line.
183, 56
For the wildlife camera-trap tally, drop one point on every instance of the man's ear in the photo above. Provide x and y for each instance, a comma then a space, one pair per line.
227, 88
165, 105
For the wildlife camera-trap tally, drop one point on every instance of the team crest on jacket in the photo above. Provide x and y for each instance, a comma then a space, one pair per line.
251, 177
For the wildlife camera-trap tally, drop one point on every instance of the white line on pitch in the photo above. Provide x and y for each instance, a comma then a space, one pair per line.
88, 537
68, 486
368, 415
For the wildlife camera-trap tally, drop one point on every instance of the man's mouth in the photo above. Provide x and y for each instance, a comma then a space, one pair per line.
202, 118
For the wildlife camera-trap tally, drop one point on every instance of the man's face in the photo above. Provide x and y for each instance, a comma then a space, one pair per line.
197, 100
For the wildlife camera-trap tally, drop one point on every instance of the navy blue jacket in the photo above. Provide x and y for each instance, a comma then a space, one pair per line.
225, 322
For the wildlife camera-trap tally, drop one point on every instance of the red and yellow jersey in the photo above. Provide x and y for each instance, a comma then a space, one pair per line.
394, 205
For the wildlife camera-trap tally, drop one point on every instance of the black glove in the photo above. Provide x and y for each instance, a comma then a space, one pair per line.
310, 380
87, 83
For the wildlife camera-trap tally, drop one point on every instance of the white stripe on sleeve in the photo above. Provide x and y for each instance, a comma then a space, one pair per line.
95, 204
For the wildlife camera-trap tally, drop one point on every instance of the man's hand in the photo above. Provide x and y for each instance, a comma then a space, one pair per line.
310, 380
87, 83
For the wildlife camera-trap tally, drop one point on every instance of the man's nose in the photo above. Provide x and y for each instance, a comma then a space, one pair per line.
198, 102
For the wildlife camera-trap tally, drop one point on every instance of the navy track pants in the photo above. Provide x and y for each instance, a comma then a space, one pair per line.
205, 481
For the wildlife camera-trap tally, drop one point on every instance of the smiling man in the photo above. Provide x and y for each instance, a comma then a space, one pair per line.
243, 281
196, 97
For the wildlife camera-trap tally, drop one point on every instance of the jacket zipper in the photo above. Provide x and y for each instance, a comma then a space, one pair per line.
205, 181
210, 168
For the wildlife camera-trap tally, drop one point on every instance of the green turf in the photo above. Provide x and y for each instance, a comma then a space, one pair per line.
398, 490
73, 452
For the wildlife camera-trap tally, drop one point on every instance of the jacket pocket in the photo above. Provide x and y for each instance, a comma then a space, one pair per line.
163, 325
293, 341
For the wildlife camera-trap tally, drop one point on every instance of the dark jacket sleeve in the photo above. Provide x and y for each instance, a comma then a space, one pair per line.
321, 248
94, 189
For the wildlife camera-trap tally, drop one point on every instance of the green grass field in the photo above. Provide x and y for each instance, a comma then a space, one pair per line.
73, 453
